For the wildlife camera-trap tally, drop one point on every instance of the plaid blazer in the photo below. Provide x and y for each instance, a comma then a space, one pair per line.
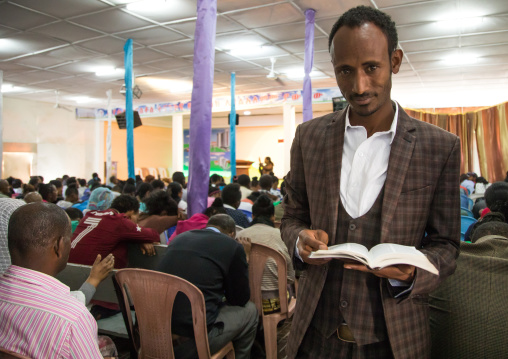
421, 195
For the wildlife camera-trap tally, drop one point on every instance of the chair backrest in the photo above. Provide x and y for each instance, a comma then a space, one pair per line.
7, 354
465, 222
259, 254
466, 202
153, 295
136, 259
466, 212
74, 275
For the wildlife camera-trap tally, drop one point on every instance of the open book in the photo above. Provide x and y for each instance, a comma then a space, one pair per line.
380, 256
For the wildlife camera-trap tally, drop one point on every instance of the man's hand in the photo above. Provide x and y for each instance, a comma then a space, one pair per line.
247, 245
311, 241
147, 249
402, 272
101, 269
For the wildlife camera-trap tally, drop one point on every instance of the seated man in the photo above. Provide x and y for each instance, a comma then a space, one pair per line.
214, 262
468, 312
71, 197
109, 231
231, 196
266, 184
38, 316
262, 231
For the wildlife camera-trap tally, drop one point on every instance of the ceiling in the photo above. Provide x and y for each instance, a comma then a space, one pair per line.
456, 51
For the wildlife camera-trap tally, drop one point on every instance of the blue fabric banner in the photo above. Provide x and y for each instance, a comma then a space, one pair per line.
201, 110
129, 111
232, 126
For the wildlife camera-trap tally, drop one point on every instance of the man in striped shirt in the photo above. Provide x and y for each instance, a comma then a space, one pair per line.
38, 316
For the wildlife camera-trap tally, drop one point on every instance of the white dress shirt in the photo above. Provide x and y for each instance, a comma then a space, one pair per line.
364, 166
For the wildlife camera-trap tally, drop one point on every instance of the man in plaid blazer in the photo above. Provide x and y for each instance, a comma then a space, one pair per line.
398, 184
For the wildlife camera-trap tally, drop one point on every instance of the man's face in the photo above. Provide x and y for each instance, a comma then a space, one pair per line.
363, 67
53, 194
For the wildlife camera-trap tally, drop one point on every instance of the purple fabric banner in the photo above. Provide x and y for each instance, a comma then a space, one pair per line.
201, 110
309, 62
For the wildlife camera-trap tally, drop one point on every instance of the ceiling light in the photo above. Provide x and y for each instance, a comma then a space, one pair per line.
8, 88
150, 6
173, 86
461, 59
247, 113
299, 74
82, 99
109, 71
246, 49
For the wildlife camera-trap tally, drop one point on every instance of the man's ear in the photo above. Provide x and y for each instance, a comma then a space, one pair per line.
396, 60
59, 246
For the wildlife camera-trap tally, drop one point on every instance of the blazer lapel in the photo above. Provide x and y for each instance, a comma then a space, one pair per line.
334, 144
400, 156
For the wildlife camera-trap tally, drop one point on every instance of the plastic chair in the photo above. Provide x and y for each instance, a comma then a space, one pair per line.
153, 312
466, 212
466, 202
259, 254
7, 354
465, 222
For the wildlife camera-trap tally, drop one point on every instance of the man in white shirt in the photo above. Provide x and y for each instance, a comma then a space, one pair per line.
398, 184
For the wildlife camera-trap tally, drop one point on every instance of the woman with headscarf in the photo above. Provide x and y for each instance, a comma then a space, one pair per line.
100, 199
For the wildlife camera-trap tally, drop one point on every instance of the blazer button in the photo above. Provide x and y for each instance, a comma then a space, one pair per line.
352, 227
343, 303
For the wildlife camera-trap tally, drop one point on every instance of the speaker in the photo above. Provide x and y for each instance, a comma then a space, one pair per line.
339, 104
122, 123
237, 119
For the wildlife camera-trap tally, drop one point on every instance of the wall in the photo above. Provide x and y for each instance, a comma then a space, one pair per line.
152, 147
60, 144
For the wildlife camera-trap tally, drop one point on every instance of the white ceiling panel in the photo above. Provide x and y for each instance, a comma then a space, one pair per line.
62, 8
266, 16
42, 61
104, 45
19, 18
111, 21
232, 5
330, 8
176, 9
183, 48
66, 31
23, 44
320, 44
171, 64
36, 76
152, 36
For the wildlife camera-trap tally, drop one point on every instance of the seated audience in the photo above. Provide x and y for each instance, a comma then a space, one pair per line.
32, 197
175, 190
158, 185
231, 196
75, 215
266, 183
496, 198
82, 188
48, 192
180, 178
143, 192
149, 179
244, 182
275, 188
129, 189
216, 263
7, 206
215, 180
100, 199
254, 184
481, 185
59, 189
71, 197
213, 193
468, 313
262, 231
469, 182
109, 231
279, 208
40, 319
16, 186
113, 181
161, 212
199, 220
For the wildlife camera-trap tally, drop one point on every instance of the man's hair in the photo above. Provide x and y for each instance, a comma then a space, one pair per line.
244, 180
490, 228
71, 189
82, 182
157, 184
112, 178
263, 207
160, 201
214, 178
360, 15
178, 177
143, 189
231, 194
45, 190
34, 226
74, 213
254, 182
223, 222
275, 179
254, 196
265, 181
125, 203
56, 183
129, 189
174, 189
496, 197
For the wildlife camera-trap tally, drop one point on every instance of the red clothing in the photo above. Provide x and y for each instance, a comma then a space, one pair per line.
197, 221
104, 232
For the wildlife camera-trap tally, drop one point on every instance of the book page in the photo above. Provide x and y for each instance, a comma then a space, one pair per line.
388, 248
354, 251
388, 254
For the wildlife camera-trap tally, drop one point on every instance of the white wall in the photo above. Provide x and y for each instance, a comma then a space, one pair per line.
64, 145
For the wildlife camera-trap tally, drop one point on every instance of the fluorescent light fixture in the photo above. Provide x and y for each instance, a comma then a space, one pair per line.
8, 88
150, 6
461, 22
173, 86
299, 74
247, 113
461, 59
246, 49
82, 99
109, 71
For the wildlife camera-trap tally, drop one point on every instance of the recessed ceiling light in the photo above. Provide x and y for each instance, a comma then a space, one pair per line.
150, 6
462, 59
82, 99
299, 74
108, 71
173, 86
246, 49
247, 113
7, 88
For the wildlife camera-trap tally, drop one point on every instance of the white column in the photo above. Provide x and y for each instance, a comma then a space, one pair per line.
289, 116
99, 150
177, 151
1, 127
